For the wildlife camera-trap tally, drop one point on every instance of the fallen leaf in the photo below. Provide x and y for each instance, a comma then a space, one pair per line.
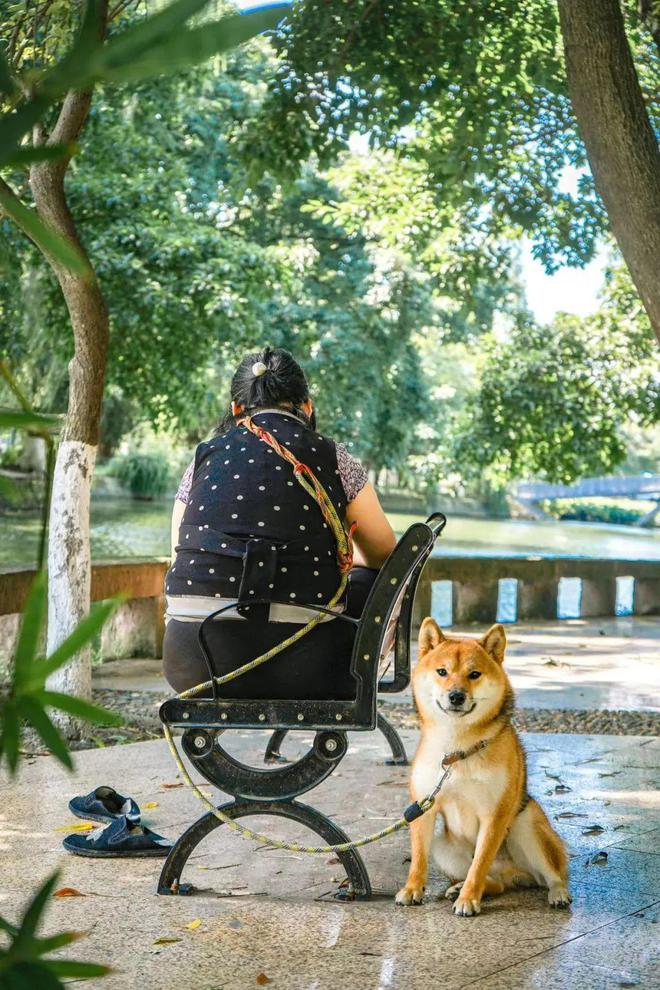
569, 814
169, 787
598, 859
77, 827
192, 925
593, 830
562, 789
150, 804
552, 776
68, 892
262, 979
166, 941
612, 773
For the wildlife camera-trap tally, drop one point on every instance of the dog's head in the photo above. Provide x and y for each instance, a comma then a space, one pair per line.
460, 680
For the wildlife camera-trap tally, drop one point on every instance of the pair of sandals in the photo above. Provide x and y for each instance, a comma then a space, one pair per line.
124, 835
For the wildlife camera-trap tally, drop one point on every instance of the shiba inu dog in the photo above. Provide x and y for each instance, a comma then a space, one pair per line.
494, 836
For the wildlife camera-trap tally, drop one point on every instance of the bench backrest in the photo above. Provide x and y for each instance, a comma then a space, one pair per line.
393, 588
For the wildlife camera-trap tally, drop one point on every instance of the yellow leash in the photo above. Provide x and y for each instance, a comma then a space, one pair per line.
345, 560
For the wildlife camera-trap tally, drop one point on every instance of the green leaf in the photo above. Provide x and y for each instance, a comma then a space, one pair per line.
53, 942
35, 909
84, 632
7, 82
12, 419
6, 926
29, 976
72, 72
180, 50
80, 708
10, 737
138, 38
14, 125
45, 153
32, 711
46, 239
32, 623
79, 970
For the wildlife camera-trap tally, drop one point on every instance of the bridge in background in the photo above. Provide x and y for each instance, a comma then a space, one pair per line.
639, 486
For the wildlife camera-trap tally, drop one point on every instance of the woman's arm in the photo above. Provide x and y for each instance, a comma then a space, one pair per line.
177, 516
374, 537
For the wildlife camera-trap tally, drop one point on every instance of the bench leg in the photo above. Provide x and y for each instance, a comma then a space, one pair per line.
358, 888
272, 754
399, 755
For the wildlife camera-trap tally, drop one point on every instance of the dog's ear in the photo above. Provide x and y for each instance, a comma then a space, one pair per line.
430, 636
494, 642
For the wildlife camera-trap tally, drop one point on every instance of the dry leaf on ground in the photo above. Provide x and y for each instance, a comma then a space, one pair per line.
169, 787
166, 941
192, 925
150, 804
77, 827
262, 979
68, 892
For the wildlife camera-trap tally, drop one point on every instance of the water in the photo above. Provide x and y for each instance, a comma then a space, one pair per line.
122, 528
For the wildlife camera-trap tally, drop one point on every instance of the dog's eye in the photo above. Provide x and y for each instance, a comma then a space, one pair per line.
474, 674
441, 671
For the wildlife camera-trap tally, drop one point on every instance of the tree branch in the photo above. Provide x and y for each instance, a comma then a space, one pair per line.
72, 117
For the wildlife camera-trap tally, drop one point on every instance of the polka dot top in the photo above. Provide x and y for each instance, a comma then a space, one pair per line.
351, 471
249, 531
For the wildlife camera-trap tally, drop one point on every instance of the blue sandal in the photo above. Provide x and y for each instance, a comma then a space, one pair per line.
122, 837
104, 805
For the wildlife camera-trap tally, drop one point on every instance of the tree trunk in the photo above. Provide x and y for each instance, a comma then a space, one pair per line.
69, 563
622, 148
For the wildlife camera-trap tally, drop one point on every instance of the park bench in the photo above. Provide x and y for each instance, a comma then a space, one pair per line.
273, 791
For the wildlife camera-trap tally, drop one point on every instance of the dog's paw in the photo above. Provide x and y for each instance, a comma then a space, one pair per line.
409, 895
452, 892
467, 907
559, 897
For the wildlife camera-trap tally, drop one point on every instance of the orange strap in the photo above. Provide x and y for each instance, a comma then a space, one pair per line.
306, 477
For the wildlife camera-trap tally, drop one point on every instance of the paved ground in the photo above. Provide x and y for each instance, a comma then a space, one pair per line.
267, 917
572, 663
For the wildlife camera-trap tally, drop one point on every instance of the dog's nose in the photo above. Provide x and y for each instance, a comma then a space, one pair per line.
456, 698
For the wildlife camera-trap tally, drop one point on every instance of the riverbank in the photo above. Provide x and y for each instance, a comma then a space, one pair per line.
122, 528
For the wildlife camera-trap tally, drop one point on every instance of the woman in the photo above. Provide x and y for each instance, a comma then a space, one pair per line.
244, 528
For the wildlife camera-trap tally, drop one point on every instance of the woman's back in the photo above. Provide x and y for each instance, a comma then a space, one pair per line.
249, 528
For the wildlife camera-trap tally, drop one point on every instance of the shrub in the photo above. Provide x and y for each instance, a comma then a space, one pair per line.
623, 512
145, 475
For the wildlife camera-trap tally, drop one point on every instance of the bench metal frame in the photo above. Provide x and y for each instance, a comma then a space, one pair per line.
273, 791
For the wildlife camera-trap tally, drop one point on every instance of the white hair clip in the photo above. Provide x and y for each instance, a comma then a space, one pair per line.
259, 369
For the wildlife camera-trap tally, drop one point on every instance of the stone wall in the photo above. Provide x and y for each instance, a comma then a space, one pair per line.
136, 628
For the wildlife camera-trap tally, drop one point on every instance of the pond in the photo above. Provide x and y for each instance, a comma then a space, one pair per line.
124, 528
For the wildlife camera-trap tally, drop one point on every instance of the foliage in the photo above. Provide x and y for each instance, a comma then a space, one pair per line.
551, 399
623, 512
145, 475
480, 101
22, 962
28, 698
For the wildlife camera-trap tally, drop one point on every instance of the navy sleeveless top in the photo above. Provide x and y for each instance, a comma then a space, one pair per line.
250, 530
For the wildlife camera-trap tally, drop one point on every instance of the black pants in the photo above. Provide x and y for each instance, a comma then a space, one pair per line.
316, 667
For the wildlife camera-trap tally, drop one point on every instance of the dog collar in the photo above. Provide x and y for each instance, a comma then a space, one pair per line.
462, 754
